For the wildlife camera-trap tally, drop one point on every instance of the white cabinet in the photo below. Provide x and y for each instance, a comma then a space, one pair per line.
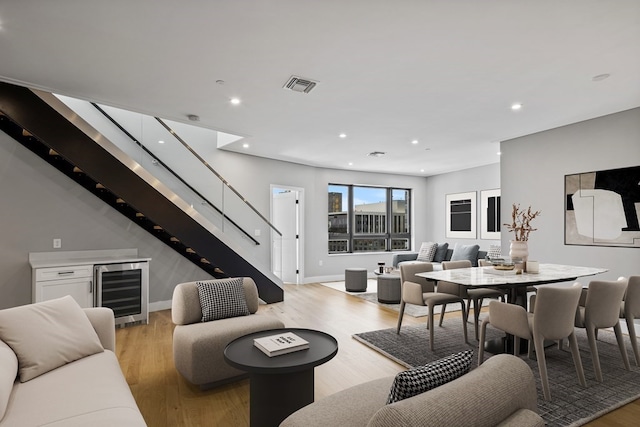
55, 282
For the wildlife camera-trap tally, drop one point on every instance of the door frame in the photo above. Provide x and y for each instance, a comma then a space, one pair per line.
300, 193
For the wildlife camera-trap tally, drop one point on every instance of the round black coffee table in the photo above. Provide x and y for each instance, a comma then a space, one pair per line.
279, 385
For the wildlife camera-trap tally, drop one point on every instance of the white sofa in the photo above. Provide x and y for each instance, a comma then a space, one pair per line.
90, 391
500, 392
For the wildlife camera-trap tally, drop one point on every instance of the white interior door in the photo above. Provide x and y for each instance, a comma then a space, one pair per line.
285, 217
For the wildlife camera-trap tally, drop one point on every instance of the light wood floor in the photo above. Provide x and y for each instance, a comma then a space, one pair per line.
166, 399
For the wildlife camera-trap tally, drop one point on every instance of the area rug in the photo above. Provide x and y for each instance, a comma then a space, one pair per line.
571, 404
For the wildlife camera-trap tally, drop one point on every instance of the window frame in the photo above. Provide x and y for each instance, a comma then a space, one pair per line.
351, 241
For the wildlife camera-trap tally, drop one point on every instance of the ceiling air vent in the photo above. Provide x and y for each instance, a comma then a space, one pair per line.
299, 84
376, 154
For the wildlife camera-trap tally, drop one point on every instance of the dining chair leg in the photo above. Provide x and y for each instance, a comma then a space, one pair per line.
538, 342
483, 333
477, 306
400, 315
623, 351
591, 335
634, 341
431, 329
577, 361
443, 308
464, 324
516, 345
530, 349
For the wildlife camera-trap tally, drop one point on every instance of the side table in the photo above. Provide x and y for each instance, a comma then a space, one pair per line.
280, 385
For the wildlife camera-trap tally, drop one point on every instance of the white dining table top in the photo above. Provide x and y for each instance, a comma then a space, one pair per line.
488, 276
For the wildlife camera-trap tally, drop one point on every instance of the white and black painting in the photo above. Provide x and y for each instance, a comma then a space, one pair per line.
461, 215
602, 208
490, 214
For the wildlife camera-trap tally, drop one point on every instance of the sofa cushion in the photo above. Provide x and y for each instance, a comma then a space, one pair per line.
423, 378
88, 392
223, 298
441, 252
47, 335
427, 251
462, 252
8, 374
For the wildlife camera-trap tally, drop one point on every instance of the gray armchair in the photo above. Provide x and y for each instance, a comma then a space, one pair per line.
198, 346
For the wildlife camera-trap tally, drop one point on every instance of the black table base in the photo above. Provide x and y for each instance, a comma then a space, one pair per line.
275, 397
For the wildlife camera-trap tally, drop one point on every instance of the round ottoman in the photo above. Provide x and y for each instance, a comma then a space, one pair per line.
355, 279
389, 288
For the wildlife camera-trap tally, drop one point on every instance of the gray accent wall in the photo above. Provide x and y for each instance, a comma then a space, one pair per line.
533, 169
39, 203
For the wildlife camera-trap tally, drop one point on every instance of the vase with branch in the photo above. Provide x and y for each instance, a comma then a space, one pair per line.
521, 227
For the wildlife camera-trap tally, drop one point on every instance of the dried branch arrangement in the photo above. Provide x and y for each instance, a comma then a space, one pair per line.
521, 222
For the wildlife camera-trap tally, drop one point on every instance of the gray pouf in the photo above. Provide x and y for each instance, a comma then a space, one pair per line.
389, 288
355, 279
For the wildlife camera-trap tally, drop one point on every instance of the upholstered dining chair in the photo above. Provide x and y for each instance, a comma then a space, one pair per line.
476, 295
630, 310
552, 319
602, 310
418, 291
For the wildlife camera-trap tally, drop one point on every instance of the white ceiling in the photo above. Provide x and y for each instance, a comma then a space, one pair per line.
442, 72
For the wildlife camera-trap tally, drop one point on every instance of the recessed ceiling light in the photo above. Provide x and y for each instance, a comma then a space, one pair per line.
161, 142
193, 117
343, 135
220, 82
350, 163
414, 142
235, 101
517, 106
600, 77
499, 153
245, 145
421, 170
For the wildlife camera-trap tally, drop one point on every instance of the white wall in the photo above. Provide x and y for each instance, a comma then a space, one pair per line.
468, 180
533, 169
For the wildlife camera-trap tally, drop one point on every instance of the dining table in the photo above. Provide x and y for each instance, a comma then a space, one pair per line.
515, 283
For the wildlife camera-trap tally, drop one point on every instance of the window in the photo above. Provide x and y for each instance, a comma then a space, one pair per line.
368, 219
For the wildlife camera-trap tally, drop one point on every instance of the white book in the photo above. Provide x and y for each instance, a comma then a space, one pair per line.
275, 345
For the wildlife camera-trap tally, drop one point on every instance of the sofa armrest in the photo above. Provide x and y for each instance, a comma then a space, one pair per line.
489, 394
104, 323
403, 256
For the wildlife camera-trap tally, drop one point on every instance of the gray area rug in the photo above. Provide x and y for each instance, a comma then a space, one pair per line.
571, 404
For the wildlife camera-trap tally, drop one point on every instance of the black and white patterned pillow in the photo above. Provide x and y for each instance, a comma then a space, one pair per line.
427, 251
495, 251
423, 378
222, 298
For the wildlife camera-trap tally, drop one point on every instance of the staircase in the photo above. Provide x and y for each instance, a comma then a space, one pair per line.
30, 120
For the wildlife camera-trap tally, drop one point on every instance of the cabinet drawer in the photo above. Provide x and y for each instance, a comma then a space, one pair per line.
58, 273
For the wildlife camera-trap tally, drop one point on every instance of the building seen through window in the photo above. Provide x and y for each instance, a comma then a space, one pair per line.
368, 219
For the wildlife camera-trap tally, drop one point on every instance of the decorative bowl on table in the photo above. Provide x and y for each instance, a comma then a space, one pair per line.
502, 265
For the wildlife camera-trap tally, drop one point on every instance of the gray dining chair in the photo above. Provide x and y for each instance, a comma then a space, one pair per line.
552, 319
419, 291
475, 295
602, 310
630, 310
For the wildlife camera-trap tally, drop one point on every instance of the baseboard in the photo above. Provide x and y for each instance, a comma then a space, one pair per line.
159, 305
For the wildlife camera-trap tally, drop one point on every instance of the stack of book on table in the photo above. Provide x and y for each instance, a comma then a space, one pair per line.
275, 345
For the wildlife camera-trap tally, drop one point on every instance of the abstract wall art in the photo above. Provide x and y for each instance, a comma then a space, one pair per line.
490, 214
461, 215
602, 208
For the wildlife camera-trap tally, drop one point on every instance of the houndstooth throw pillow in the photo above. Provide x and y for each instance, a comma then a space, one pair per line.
222, 298
427, 251
423, 378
